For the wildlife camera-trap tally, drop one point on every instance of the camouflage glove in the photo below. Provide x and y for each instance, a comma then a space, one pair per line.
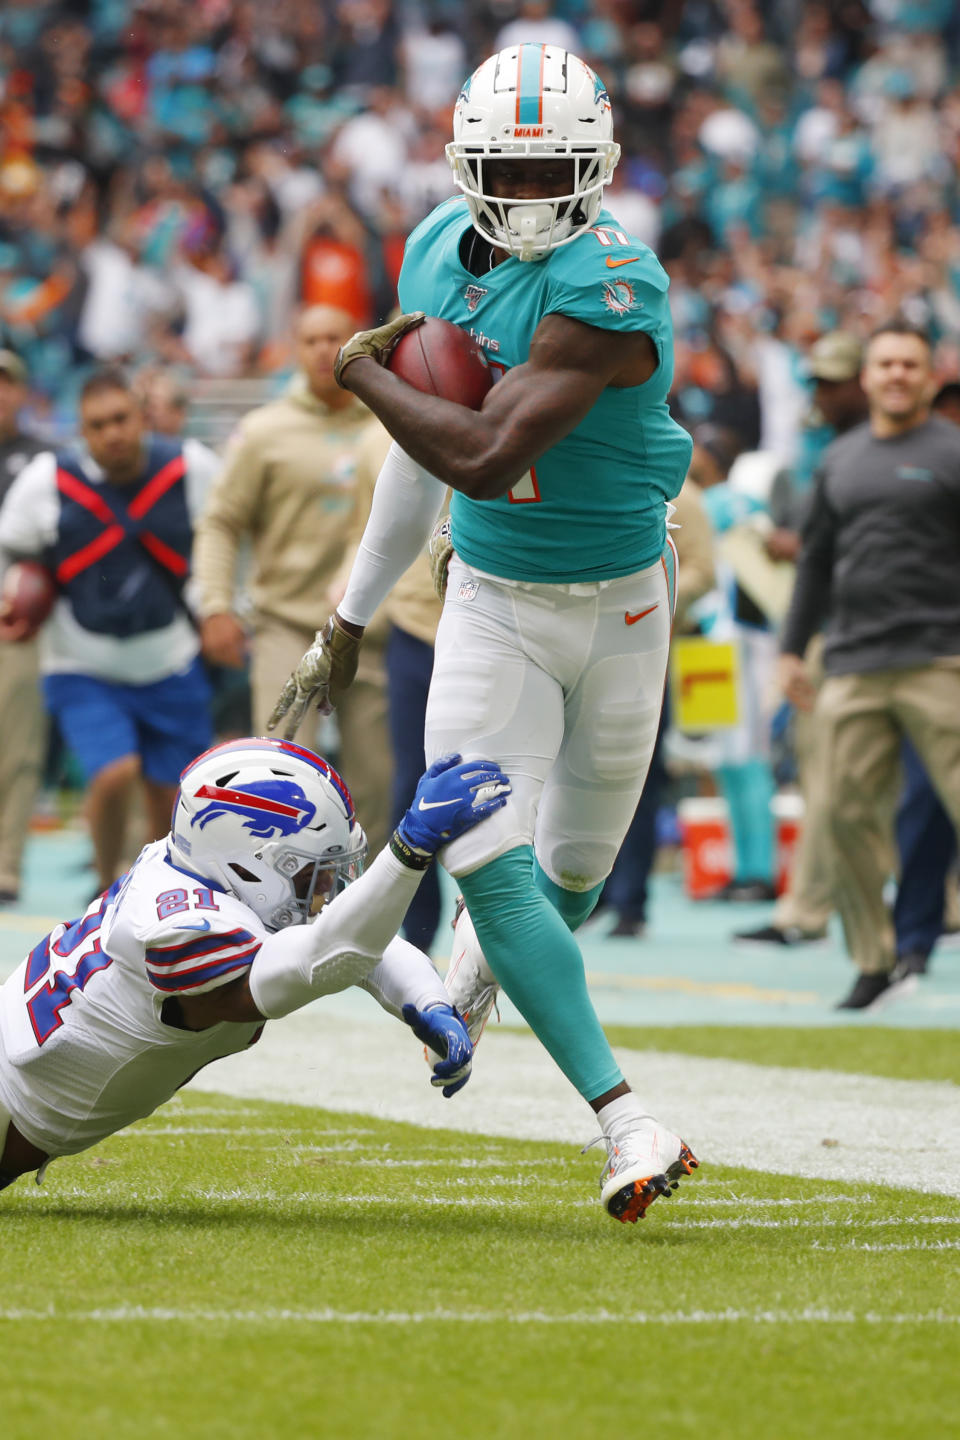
327, 669
441, 549
378, 343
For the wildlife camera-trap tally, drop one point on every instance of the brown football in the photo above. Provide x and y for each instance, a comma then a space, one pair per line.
441, 359
29, 593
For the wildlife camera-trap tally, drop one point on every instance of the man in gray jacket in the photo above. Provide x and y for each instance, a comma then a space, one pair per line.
880, 562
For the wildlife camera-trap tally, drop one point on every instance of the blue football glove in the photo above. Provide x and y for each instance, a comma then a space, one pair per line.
452, 797
441, 1029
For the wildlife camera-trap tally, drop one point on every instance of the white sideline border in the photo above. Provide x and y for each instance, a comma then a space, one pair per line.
818, 1124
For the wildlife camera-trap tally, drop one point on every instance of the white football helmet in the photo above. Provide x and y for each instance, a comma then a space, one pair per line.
269, 822
533, 101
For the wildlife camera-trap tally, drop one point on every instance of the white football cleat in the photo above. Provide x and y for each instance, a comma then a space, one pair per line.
647, 1161
469, 981
472, 989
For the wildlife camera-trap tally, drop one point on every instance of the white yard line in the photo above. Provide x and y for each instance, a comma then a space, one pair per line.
133, 1314
815, 1123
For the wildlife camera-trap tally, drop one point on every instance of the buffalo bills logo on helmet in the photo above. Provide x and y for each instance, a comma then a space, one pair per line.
268, 807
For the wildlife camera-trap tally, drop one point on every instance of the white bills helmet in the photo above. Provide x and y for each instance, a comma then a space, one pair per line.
269, 822
533, 101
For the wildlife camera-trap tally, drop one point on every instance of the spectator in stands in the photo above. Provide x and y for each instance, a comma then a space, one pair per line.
536, 24
165, 401
879, 563
22, 718
335, 265
946, 402
288, 486
122, 297
122, 674
222, 324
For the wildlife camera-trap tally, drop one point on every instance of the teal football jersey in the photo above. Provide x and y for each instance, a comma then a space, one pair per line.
592, 508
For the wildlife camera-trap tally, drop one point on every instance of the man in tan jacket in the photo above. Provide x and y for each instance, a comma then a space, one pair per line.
288, 485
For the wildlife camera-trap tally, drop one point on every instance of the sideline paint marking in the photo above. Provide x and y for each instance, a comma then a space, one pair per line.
725, 989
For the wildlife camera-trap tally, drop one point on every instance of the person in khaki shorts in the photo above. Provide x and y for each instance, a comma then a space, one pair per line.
879, 558
22, 716
288, 485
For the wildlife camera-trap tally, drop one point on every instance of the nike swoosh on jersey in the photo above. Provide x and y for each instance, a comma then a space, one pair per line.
204, 925
435, 804
612, 263
632, 619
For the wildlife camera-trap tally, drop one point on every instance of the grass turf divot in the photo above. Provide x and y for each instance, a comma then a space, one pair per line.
242, 1269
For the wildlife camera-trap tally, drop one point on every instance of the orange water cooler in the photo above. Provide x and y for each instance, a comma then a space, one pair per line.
707, 849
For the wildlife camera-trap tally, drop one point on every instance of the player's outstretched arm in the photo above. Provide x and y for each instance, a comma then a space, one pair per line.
482, 453
407, 986
349, 937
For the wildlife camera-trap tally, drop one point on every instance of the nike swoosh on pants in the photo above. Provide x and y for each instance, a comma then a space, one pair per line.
632, 619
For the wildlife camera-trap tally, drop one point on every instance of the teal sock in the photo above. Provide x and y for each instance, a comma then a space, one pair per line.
731, 784
572, 908
748, 789
535, 958
759, 839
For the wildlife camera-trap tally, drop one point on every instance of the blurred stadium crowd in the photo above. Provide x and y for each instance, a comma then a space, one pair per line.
176, 177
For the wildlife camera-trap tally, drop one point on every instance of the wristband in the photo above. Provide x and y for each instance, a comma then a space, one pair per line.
407, 855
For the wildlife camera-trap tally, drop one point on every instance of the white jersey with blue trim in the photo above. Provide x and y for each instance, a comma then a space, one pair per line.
84, 1047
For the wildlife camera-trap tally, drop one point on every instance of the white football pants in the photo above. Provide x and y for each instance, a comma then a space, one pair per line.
563, 686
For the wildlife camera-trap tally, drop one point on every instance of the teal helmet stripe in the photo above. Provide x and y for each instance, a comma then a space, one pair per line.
530, 85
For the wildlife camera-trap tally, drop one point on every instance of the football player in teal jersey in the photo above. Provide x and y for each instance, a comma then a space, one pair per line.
552, 649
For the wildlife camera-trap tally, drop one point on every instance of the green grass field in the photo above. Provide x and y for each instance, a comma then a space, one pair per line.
237, 1269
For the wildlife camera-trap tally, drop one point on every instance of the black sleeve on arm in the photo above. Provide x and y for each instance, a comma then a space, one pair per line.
811, 591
